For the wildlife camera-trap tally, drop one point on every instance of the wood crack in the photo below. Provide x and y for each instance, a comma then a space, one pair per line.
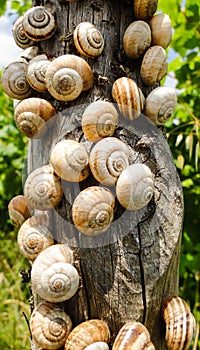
142, 274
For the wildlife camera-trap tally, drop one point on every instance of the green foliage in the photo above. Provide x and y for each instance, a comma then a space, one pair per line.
18, 5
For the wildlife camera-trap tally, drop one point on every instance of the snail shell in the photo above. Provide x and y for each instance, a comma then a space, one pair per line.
87, 333
36, 71
154, 65
88, 40
137, 39
31, 115
34, 236
161, 30
43, 188
70, 161
129, 97
144, 9
18, 210
93, 210
100, 345
108, 158
50, 325
27, 54
39, 23
180, 323
14, 81
19, 34
133, 336
99, 120
160, 104
53, 276
135, 186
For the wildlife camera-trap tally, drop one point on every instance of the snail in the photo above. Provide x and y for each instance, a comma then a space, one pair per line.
43, 188
50, 325
129, 97
135, 186
99, 120
160, 104
93, 210
31, 116
67, 76
53, 276
108, 158
180, 323
144, 9
100, 345
34, 236
70, 160
27, 54
137, 39
87, 333
19, 34
14, 81
161, 30
18, 210
133, 336
154, 65
39, 23
88, 40
36, 72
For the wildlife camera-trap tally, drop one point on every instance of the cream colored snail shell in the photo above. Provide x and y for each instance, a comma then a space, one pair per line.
154, 65
137, 39
19, 34
144, 9
100, 345
180, 323
50, 325
43, 188
27, 54
88, 40
93, 210
53, 276
108, 158
87, 333
34, 236
18, 210
161, 30
31, 116
14, 81
129, 97
99, 120
160, 104
135, 186
36, 71
39, 23
69, 159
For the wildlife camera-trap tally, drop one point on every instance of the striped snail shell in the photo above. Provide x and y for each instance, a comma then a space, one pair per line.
137, 39
180, 323
135, 186
19, 34
31, 116
88, 40
18, 210
70, 160
53, 276
34, 236
161, 30
36, 71
39, 23
129, 97
99, 345
87, 333
154, 65
160, 104
14, 81
99, 120
43, 188
144, 9
108, 158
50, 325
93, 210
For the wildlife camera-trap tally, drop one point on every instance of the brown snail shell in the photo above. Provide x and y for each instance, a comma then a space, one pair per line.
137, 39
18, 210
39, 23
70, 160
144, 9
43, 188
88, 40
161, 30
19, 34
99, 120
50, 325
129, 97
154, 65
93, 210
87, 333
36, 71
100, 345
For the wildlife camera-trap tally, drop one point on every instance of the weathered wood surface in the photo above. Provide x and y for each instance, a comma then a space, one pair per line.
129, 270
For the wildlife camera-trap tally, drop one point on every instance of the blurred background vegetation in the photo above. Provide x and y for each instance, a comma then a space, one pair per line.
184, 140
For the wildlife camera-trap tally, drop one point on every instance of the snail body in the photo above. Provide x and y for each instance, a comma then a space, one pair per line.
19, 34
36, 72
137, 39
18, 210
100, 345
154, 65
88, 40
161, 30
144, 9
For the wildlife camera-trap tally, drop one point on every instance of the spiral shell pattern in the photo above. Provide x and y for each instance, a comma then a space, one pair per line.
144, 9
161, 30
50, 325
88, 40
18, 210
137, 39
19, 34
36, 71
154, 65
